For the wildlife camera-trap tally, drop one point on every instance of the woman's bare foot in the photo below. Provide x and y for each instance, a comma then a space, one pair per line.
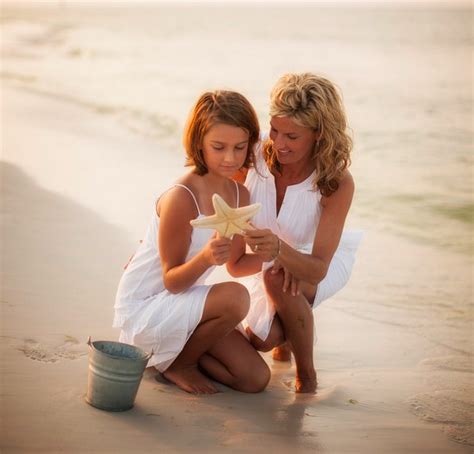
282, 353
306, 383
189, 379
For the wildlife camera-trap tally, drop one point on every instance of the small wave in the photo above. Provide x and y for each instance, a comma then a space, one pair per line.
448, 397
153, 125
148, 124
427, 218
454, 363
452, 409
22, 35
462, 212
17, 77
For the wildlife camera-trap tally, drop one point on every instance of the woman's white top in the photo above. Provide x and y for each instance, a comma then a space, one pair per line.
296, 224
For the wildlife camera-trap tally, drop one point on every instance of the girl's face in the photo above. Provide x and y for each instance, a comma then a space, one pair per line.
291, 142
225, 149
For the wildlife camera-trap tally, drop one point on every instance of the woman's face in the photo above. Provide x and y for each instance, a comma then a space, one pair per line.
225, 149
291, 142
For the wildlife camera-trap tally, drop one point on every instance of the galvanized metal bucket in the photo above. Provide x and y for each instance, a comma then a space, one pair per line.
115, 372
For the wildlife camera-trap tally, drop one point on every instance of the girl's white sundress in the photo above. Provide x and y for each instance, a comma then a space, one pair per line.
150, 316
296, 224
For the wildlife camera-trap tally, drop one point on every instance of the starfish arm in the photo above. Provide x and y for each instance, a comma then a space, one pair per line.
221, 208
246, 212
222, 228
242, 224
237, 228
211, 222
207, 222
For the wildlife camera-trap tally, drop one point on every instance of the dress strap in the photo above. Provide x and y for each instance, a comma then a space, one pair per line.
192, 195
237, 189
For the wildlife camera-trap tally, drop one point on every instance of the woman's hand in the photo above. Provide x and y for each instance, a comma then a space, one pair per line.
264, 243
217, 250
267, 245
289, 281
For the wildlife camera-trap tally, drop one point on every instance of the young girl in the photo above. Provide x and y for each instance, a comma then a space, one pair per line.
162, 303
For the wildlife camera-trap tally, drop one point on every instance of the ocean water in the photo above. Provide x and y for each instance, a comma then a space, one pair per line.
406, 77
405, 74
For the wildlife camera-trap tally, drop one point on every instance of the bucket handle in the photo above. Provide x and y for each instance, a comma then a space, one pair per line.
147, 357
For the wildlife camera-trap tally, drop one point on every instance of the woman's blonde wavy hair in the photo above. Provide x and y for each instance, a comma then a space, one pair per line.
314, 102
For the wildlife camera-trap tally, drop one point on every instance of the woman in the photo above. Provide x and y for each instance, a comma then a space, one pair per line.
302, 181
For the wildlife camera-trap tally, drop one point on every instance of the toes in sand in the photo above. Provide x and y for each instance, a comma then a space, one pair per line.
190, 380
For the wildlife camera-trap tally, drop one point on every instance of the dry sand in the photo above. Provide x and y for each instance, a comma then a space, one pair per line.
67, 186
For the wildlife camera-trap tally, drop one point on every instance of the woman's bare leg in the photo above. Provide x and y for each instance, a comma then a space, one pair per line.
282, 352
234, 362
226, 305
296, 318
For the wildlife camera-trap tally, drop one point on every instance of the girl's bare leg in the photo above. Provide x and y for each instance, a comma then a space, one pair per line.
226, 305
235, 362
296, 317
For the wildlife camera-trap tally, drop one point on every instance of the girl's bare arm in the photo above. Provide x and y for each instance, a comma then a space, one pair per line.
241, 263
176, 209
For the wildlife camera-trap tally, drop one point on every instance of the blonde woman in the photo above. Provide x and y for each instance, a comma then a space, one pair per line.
302, 180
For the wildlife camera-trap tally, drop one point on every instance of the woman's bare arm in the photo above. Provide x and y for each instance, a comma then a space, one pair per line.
312, 267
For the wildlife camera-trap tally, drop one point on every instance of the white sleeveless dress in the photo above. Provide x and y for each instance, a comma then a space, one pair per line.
150, 316
296, 224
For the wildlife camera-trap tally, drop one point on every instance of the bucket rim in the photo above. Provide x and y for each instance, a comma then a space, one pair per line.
146, 356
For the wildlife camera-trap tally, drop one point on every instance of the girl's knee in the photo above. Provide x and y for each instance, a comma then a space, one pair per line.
255, 379
239, 292
235, 301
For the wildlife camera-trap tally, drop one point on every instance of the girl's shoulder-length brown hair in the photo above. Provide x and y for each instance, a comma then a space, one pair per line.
314, 102
220, 106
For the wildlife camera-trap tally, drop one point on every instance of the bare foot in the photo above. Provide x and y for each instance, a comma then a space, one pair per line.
282, 353
306, 383
189, 379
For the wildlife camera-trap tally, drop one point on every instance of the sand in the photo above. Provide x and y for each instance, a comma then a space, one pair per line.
61, 261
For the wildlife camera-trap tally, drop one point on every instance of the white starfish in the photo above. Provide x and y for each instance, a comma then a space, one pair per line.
226, 220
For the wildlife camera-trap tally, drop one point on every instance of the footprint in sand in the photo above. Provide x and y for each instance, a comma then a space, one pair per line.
69, 349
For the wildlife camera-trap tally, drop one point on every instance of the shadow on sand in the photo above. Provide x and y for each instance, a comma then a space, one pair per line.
61, 262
